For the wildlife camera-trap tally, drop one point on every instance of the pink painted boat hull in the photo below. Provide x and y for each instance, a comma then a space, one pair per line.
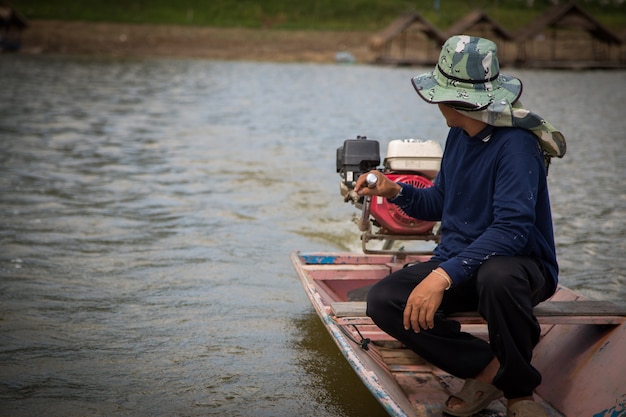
583, 365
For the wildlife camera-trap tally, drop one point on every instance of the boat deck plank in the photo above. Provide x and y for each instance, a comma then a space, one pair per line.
548, 312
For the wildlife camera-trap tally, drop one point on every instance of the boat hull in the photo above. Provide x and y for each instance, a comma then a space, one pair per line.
582, 364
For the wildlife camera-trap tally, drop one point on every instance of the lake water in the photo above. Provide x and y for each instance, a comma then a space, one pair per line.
148, 209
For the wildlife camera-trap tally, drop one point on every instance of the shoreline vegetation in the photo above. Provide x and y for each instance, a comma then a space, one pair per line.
324, 15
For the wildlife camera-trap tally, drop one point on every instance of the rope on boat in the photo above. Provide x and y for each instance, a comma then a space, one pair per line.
364, 342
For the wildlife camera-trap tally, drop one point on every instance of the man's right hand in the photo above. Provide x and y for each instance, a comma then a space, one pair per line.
384, 186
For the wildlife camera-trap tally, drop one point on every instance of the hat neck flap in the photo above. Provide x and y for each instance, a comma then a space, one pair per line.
504, 114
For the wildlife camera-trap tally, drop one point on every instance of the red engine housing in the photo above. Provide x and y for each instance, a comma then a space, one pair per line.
393, 218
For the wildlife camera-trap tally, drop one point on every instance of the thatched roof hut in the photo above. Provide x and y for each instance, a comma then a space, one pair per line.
11, 26
408, 40
478, 23
566, 36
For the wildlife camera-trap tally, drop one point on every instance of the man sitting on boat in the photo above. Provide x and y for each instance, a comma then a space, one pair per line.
496, 254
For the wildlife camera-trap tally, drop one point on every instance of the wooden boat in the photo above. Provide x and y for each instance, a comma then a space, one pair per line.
580, 355
581, 351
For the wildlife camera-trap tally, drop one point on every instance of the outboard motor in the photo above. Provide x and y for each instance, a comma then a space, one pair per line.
410, 161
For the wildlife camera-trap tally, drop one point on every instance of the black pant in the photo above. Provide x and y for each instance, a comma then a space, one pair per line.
504, 292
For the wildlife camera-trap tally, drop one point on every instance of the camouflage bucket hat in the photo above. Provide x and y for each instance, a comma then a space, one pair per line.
467, 76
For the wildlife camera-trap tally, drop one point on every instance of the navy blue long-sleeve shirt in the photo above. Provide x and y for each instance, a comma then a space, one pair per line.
491, 196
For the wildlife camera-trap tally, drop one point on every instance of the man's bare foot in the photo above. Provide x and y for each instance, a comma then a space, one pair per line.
455, 403
486, 376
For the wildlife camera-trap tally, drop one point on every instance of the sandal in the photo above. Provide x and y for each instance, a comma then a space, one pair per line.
472, 404
526, 408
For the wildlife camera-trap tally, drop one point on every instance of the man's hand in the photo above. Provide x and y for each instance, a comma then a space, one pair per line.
424, 301
384, 186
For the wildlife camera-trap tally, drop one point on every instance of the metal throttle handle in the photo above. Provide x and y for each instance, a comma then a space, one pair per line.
364, 224
371, 180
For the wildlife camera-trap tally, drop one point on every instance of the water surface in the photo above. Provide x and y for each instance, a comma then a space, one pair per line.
148, 209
